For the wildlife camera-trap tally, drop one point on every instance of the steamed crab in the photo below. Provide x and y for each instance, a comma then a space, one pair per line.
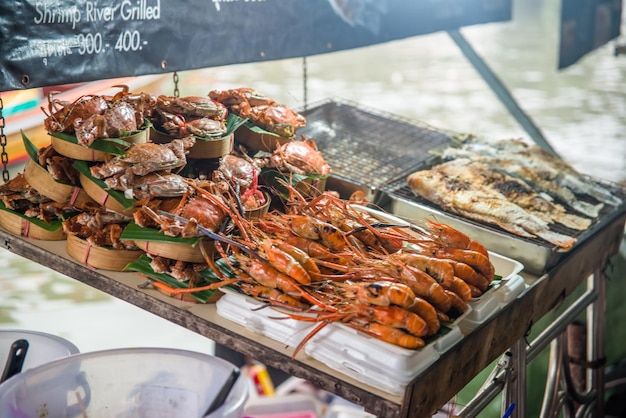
59, 166
156, 184
195, 115
178, 126
61, 115
299, 157
261, 110
102, 228
18, 195
192, 106
242, 175
91, 116
199, 205
235, 97
278, 119
117, 121
144, 158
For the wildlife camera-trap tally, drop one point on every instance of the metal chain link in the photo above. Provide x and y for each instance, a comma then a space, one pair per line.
304, 83
176, 91
3, 143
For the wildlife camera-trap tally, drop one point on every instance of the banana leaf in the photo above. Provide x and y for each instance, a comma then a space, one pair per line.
83, 168
114, 146
142, 265
275, 179
31, 149
53, 225
134, 232
257, 129
232, 123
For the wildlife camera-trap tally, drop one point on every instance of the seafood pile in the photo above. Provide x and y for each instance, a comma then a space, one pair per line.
321, 258
519, 187
93, 117
326, 260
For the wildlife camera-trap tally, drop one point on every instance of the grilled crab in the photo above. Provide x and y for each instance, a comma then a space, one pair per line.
299, 157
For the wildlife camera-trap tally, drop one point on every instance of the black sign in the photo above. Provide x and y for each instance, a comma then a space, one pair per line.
50, 42
587, 25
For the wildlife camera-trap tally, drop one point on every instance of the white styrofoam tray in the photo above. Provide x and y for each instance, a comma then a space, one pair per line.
365, 358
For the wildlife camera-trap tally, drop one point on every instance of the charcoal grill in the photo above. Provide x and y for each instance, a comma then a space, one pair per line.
366, 148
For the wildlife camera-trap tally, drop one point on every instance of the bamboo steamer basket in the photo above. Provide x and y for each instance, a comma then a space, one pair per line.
102, 197
259, 141
84, 153
261, 211
212, 148
100, 257
41, 180
19, 225
204, 148
178, 251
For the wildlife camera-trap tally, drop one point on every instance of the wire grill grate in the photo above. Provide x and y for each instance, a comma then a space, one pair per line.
368, 146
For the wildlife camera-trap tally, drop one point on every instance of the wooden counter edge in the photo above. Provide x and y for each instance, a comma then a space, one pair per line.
457, 367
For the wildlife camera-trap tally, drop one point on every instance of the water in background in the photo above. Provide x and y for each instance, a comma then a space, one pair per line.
581, 111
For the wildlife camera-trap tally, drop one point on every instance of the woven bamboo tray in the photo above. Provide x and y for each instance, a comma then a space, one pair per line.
102, 197
18, 225
100, 257
259, 141
178, 251
84, 153
41, 180
204, 148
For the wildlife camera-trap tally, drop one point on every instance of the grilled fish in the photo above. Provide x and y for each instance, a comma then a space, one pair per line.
544, 164
473, 200
533, 178
514, 190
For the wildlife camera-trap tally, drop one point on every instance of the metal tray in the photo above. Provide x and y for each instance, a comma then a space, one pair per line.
536, 255
367, 148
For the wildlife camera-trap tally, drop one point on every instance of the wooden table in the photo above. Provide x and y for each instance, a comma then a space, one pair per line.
429, 390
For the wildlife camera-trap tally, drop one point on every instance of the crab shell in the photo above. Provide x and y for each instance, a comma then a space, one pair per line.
144, 158
300, 157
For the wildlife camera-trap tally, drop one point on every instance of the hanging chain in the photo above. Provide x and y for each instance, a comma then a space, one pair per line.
3, 143
304, 83
176, 91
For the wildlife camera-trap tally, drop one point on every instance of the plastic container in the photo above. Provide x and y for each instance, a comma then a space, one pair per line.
42, 348
508, 288
124, 383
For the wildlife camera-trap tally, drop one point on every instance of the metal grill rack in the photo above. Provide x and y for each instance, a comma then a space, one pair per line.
369, 148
